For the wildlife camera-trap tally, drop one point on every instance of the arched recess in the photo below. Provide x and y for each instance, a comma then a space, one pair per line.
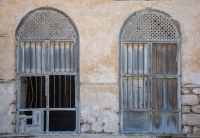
149, 70
47, 72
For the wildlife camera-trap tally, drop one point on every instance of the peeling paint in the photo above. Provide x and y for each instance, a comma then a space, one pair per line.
99, 23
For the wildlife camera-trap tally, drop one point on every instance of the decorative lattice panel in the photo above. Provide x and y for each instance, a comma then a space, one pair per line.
150, 26
47, 24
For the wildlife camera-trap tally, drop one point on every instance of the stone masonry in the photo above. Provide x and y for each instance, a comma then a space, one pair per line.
190, 100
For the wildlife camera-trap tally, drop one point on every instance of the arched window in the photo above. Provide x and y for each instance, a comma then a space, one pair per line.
150, 73
47, 72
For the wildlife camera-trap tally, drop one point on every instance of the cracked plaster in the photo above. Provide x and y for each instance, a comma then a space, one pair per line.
99, 23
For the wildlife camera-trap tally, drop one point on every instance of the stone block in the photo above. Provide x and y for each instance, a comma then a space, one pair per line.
185, 90
96, 127
85, 128
185, 109
99, 107
191, 119
189, 99
196, 130
199, 99
187, 130
196, 109
196, 91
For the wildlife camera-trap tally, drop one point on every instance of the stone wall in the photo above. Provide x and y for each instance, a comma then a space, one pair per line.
190, 101
99, 23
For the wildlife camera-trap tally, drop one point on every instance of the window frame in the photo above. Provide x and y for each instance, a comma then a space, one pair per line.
47, 71
149, 47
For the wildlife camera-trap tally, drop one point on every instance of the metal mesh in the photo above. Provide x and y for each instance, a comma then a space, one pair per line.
47, 24
151, 27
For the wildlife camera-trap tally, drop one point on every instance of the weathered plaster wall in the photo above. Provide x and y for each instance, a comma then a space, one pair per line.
7, 108
99, 23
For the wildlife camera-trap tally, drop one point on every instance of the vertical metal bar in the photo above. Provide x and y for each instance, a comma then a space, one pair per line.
124, 58
33, 57
161, 59
32, 92
37, 57
59, 91
70, 64
143, 57
165, 59
135, 92
156, 59
65, 60
51, 57
143, 105
149, 94
122, 69
167, 62
138, 91
59, 65
71, 57
127, 93
41, 57
65, 86
35, 92
41, 92
25, 89
138, 58
179, 85
30, 56
167, 98
164, 94
133, 95
47, 121
124, 93
47, 42
172, 93
25, 57
132, 58
54, 90
127, 58
130, 100
70, 91
47, 101
20, 57
54, 57
172, 58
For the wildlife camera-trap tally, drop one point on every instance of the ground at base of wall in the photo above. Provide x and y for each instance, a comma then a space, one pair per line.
97, 136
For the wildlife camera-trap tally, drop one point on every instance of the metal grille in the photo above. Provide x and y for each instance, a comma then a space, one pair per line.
135, 93
150, 26
135, 58
61, 91
33, 92
46, 24
32, 57
61, 57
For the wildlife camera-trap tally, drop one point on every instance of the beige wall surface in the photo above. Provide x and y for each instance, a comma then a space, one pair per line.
99, 23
